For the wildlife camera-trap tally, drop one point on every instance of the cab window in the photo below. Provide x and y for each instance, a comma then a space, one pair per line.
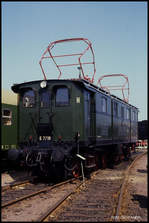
29, 99
62, 96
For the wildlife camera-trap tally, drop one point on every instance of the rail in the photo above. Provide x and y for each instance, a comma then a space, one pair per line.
36, 193
120, 200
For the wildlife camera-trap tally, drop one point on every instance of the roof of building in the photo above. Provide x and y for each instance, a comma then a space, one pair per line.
9, 97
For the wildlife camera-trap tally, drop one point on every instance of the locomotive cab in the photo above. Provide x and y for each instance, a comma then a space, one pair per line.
49, 120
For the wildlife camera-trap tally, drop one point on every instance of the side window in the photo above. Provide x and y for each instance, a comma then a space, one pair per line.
7, 117
62, 96
115, 109
29, 99
44, 99
133, 115
103, 104
136, 116
127, 113
122, 112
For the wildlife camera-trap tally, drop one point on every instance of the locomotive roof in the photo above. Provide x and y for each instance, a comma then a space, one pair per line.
82, 82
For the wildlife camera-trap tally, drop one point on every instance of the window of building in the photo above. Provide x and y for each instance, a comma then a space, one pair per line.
115, 109
103, 104
7, 117
44, 99
29, 99
62, 96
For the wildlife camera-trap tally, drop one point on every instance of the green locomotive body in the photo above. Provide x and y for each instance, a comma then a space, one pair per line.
68, 117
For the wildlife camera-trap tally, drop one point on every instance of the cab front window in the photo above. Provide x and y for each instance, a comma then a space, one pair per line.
62, 96
29, 99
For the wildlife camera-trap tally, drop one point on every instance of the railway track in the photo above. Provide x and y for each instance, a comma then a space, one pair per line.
17, 190
33, 205
93, 205
72, 200
118, 214
17, 184
93, 202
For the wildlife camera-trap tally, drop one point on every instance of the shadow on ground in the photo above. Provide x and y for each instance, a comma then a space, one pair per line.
141, 199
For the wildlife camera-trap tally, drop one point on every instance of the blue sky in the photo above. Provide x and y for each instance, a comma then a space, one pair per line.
117, 31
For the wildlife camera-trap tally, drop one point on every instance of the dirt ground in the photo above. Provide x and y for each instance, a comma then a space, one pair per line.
136, 195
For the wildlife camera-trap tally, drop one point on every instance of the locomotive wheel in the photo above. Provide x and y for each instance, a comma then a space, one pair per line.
72, 166
30, 159
76, 171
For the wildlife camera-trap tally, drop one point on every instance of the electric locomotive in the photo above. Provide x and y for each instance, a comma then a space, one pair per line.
66, 124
